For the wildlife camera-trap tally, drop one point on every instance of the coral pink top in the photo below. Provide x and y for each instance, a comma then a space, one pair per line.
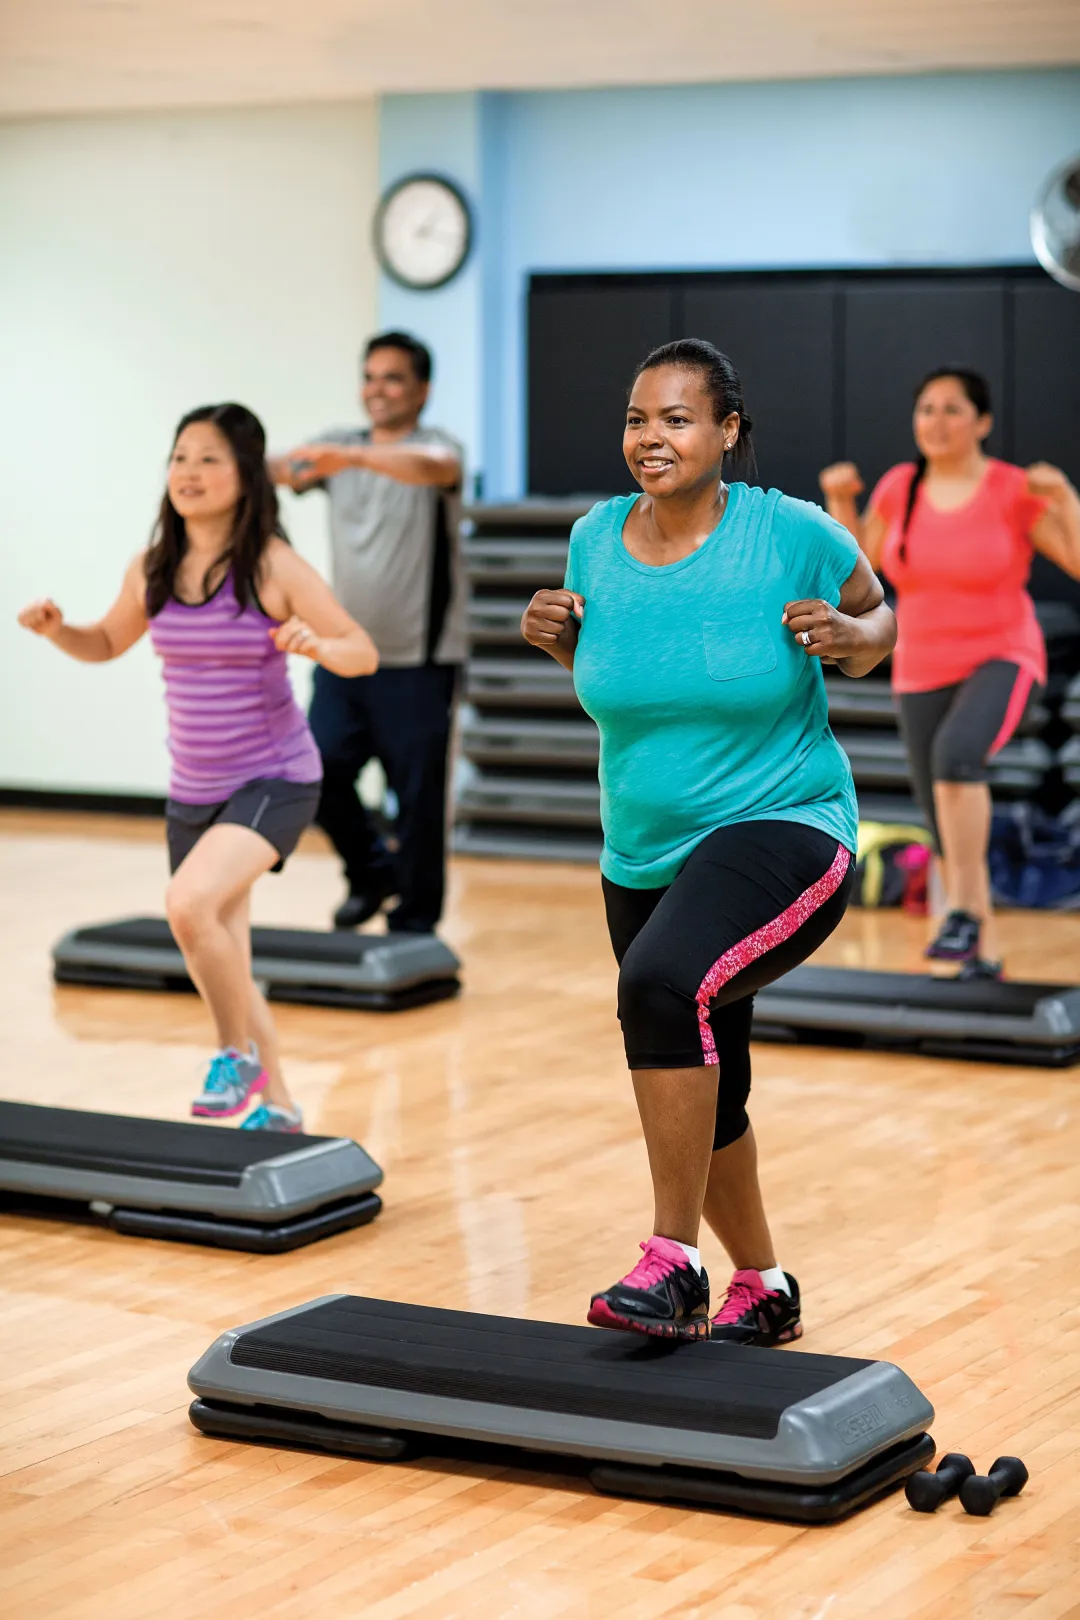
961, 588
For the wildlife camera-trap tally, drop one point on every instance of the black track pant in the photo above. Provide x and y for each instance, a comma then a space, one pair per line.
753, 901
952, 731
401, 717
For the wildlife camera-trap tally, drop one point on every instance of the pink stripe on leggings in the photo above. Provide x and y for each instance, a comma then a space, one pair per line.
765, 939
1014, 709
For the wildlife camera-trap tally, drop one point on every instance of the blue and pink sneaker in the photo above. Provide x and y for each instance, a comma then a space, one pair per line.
272, 1117
754, 1314
663, 1296
232, 1079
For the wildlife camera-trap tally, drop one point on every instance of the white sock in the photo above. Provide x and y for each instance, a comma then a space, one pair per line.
693, 1255
775, 1281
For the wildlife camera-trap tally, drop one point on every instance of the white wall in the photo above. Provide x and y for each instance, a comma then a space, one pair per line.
149, 264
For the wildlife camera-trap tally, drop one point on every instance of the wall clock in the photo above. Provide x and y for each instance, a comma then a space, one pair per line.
423, 231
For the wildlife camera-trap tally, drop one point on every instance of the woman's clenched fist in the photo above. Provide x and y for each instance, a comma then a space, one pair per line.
550, 616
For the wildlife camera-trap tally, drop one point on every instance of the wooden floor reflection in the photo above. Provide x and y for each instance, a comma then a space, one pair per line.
929, 1208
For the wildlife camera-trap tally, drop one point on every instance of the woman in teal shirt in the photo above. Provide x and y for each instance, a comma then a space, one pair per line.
695, 617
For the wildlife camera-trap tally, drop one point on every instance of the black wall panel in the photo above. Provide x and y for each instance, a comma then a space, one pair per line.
895, 331
1046, 375
1046, 395
584, 343
829, 362
781, 334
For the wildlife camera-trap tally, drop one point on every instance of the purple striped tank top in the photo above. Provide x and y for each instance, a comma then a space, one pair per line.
232, 715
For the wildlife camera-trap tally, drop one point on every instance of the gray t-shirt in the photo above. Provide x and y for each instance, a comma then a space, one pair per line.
397, 556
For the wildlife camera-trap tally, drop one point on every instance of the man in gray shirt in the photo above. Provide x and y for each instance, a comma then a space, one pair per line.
394, 491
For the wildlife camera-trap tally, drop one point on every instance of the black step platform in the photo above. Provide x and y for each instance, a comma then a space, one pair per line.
785, 1435
988, 1022
369, 972
212, 1184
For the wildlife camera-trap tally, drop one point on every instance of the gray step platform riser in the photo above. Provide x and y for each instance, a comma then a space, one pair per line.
502, 807
819, 1440
524, 565
482, 841
773, 1007
400, 967
523, 751
511, 693
274, 1189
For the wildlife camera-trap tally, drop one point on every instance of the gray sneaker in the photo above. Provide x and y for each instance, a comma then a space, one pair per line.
231, 1081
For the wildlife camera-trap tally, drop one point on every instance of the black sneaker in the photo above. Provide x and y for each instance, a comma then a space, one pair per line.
754, 1314
980, 968
663, 1295
356, 909
957, 940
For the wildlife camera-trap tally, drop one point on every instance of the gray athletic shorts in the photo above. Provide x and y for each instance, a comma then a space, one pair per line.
279, 810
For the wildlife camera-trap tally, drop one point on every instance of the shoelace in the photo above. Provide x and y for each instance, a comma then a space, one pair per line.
741, 1297
653, 1266
223, 1073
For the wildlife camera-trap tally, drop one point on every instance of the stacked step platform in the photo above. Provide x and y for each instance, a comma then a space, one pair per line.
253, 1190
802, 1437
527, 784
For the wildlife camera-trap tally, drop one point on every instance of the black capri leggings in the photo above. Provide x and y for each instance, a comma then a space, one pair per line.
951, 731
753, 901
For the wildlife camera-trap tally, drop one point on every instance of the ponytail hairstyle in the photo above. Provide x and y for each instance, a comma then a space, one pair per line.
721, 382
255, 523
977, 389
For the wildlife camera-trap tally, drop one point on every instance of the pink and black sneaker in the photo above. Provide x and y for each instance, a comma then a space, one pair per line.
663, 1295
754, 1314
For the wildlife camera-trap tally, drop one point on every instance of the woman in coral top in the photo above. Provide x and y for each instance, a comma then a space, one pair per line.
955, 533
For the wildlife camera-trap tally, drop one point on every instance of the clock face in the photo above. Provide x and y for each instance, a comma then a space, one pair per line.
423, 231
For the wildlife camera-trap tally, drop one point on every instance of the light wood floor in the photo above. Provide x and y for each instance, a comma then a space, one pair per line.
930, 1210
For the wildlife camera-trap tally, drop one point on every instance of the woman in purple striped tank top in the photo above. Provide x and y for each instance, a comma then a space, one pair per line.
225, 599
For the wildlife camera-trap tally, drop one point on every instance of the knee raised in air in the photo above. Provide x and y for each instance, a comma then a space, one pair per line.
655, 1016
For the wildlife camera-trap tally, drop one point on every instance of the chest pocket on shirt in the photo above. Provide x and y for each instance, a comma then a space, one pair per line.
738, 646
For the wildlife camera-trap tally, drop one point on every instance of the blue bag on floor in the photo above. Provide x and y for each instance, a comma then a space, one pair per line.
1035, 858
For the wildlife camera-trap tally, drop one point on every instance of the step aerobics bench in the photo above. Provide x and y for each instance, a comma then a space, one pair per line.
769, 1432
371, 972
255, 1190
984, 1020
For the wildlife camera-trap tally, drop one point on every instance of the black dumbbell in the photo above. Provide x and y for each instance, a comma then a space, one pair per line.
926, 1491
980, 1493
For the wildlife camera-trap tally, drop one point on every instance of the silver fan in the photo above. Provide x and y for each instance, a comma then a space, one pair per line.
1055, 224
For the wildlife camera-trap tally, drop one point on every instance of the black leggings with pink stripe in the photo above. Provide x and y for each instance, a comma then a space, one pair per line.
752, 902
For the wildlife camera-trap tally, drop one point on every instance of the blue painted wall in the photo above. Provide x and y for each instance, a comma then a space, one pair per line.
931, 170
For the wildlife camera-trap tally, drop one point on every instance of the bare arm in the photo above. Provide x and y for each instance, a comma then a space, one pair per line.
109, 636
310, 464
857, 634
313, 621
552, 621
841, 485
1057, 533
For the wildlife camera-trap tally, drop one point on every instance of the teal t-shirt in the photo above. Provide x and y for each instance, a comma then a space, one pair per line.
709, 711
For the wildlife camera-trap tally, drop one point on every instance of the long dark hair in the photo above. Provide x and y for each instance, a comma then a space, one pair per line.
256, 519
721, 382
977, 389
